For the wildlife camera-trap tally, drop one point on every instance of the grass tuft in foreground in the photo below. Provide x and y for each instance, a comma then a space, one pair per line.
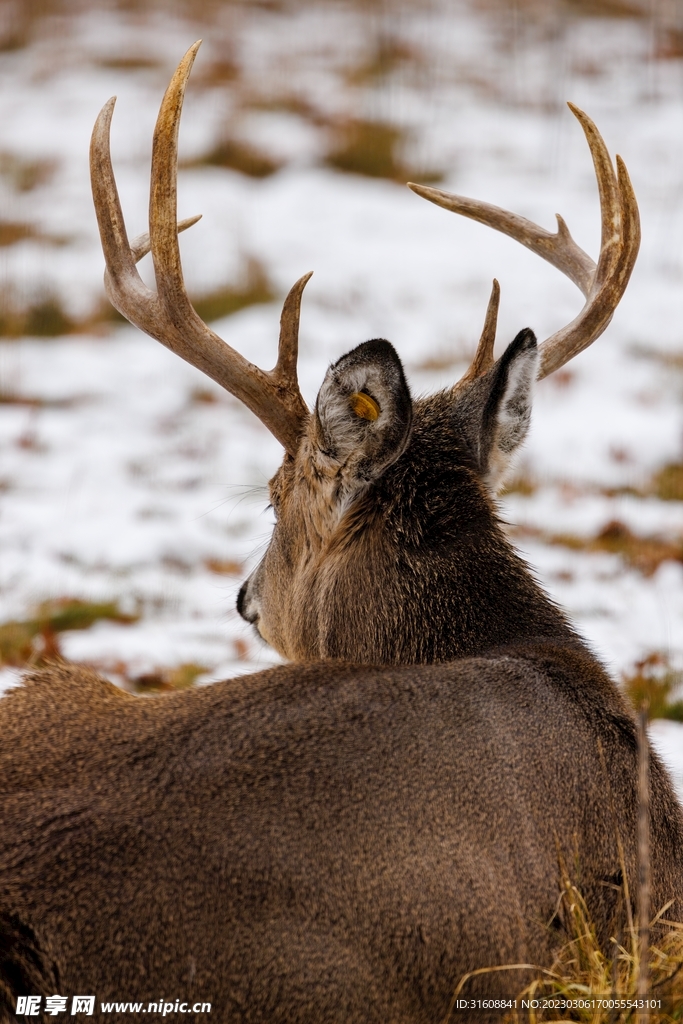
581, 969
597, 986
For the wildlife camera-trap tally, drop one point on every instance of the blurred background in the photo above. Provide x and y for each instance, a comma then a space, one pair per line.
132, 490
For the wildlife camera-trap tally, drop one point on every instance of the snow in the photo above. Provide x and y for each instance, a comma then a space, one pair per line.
127, 483
666, 739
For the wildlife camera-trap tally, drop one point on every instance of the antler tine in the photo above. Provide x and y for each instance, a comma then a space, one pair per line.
141, 245
120, 273
288, 346
602, 286
610, 198
163, 194
168, 315
483, 359
599, 310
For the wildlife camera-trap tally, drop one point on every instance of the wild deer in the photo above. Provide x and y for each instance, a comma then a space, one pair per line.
344, 837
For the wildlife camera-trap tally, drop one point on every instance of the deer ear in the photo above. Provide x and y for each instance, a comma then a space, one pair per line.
507, 410
364, 411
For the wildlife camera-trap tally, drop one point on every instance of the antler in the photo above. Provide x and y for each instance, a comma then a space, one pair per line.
168, 314
603, 286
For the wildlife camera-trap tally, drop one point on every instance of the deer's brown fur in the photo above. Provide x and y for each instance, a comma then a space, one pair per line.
317, 842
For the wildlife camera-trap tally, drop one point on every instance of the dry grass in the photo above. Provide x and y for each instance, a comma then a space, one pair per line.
582, 975
167, 680
372, 149
31, 642
667, 483
236, 155
645, 554
42, 317
654, 683
23, 174
255, 288
45, 316
581, 969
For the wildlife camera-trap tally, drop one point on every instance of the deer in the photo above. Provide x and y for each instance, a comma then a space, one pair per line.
376, 824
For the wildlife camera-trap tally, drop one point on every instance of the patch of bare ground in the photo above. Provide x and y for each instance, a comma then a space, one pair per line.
665, 484
39, 402
12, 232
654, 683
253, 289
645, 554
30, 642
167, 680
236, 155
224, 567
46, 316
373, 149
130, 62
24, 174
521, 483
388, 54
35, 641
536, 11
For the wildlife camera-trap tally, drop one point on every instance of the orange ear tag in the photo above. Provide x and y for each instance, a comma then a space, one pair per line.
364, 406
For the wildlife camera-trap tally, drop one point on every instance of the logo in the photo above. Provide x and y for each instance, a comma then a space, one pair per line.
55, 1005
28, 1006
83, 1004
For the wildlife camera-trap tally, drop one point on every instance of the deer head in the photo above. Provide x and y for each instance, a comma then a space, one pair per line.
386, 539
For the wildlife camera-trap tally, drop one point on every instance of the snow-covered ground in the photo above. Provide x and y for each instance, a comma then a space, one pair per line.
126, 475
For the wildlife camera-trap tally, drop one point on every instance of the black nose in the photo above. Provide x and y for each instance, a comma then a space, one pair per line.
241, 598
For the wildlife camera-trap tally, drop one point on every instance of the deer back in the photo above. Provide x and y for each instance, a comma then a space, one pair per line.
313, 842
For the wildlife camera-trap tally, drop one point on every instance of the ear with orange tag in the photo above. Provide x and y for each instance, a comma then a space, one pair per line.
363, 413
